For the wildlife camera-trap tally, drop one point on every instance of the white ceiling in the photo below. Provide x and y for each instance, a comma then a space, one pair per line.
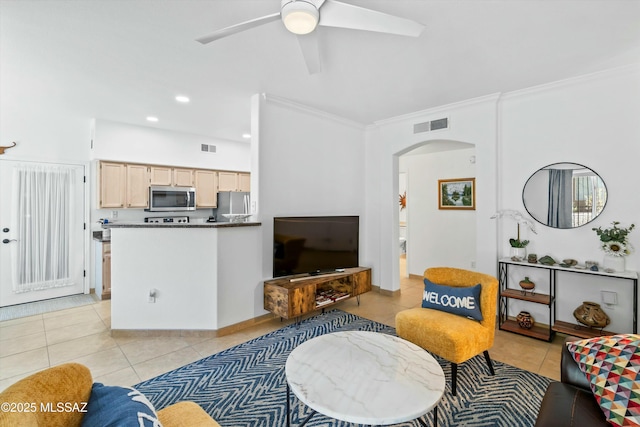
123, 60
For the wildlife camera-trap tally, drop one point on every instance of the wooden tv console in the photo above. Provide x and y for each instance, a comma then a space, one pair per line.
294, 296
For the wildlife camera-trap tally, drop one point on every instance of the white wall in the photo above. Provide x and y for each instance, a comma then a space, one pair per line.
309, 163
474, 122
141, 144
165, 259
593, 121
438, 237
239, 275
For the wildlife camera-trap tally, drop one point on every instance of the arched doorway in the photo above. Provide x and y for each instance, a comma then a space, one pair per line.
429, 236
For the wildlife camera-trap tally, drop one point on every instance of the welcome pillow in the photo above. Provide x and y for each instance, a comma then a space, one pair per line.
113, 406
612, 366
456, 300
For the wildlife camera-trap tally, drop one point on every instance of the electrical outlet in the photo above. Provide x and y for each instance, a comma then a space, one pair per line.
114, 214
473, 264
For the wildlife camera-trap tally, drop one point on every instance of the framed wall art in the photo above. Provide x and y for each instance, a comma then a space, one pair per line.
459, 193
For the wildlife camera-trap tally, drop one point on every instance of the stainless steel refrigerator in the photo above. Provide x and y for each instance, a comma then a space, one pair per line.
233, 203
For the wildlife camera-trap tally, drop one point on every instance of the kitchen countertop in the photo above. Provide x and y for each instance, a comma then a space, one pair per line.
181, 225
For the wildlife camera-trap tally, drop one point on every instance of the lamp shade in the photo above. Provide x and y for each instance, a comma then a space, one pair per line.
300, 17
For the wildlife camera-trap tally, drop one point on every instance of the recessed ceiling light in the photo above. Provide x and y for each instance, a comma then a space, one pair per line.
152, 119
246, 135
182, 98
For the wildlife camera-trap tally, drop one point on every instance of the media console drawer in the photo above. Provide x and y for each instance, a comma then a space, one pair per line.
294, 296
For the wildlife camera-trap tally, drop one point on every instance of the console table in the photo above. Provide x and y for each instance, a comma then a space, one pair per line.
546, 333
294, 296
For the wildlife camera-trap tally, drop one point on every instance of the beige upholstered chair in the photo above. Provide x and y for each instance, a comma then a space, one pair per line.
450, 336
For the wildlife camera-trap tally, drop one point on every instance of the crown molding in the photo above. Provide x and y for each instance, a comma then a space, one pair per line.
287, 103
598, 75
422, 114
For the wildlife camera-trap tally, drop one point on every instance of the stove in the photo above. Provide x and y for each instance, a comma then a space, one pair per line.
167, 219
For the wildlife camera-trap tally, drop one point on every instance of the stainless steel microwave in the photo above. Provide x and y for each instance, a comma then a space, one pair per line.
165, 199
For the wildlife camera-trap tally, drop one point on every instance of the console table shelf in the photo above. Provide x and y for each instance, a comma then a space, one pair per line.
293, 296
578, 330
546, 332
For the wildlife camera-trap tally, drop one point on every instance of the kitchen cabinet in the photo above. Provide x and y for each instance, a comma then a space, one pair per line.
106, 270
168, 176
126, 185
206, 183
137, 186
244, 182
234, 181
123, 185
160, 175
113, 185
182, 177
227, 181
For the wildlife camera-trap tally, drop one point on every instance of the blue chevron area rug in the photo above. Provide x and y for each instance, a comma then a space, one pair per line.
246, 385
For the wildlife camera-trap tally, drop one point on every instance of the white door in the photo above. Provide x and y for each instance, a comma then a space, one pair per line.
42, 220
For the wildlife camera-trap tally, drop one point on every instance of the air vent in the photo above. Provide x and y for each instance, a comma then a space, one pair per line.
208, 148
432, 125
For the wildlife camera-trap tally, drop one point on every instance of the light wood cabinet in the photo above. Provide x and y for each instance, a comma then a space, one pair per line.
227, 181
244, 182
183, 177
168, 176
234, 181
106, 270
206, 188
160, 175
137, 186
126, 185
113, 185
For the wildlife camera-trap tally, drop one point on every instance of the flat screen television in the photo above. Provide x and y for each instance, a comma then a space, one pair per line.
314, 244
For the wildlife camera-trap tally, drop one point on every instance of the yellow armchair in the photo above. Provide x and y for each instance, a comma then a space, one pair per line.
450, 336
33, 401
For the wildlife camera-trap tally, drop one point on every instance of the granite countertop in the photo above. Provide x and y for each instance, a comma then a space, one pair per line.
181, 225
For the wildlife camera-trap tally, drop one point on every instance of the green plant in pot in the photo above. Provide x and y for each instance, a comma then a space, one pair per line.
518, 246
517, 243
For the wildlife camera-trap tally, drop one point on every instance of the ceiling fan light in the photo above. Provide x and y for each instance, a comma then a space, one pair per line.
300, 17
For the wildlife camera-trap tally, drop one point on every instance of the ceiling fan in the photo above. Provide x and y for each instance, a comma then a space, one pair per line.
301, 17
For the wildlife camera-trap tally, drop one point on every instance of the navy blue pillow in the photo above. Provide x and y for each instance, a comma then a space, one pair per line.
112, 406
461, 301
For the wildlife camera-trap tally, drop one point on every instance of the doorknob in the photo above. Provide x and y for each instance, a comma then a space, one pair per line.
5, 241
5, 230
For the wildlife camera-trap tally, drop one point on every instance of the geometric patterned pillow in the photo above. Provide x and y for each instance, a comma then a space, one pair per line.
612, 366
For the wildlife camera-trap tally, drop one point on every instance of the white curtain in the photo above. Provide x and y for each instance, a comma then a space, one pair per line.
41, 208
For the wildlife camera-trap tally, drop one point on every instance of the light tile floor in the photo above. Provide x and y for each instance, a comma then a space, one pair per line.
82, 335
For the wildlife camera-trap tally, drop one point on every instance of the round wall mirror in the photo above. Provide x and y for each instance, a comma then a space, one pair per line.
564, 195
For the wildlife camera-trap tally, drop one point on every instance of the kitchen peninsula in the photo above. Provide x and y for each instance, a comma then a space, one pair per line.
187, 277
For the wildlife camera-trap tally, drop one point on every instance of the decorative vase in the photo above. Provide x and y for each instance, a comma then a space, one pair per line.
520, 253
590, 314
615, 263
527, 285
525, 320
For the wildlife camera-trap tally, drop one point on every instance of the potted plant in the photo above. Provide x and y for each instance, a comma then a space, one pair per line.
518, 246
614, 242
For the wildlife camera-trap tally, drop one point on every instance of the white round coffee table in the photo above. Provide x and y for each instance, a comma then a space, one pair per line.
365, 378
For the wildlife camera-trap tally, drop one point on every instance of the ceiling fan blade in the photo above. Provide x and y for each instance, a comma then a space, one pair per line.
311, 52
338, 14
238, 28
